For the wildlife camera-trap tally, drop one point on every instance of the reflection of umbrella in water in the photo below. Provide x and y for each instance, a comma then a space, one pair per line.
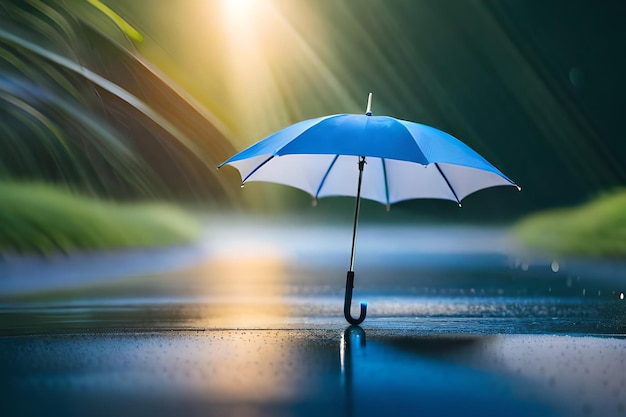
347, 353
397, 160
395, 373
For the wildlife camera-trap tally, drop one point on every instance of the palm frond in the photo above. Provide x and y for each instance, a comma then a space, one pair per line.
80, 105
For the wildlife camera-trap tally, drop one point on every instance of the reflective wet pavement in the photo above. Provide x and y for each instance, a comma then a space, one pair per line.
471, 326
310, 372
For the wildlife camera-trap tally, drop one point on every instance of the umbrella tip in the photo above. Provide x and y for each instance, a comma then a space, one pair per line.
368, 112
388, 207
314, 202
519, 188
460, 205
243, 185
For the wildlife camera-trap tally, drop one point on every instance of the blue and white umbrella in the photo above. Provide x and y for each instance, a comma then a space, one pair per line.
379, 158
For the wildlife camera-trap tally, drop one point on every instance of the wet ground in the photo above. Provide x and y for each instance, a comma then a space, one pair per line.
460, 321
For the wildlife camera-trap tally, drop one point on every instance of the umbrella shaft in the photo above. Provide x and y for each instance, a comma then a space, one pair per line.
356, 211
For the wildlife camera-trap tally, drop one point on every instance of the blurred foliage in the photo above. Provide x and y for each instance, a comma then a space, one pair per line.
597, 228
37, 218
81, 107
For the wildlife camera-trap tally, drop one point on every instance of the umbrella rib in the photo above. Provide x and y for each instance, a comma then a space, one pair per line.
257, 168
326, 175
386, 182
448, 182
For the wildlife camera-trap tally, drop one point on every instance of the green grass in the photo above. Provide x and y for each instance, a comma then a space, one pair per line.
597, 228
37, 218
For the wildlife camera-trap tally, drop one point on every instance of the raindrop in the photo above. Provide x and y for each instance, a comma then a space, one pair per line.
554, 266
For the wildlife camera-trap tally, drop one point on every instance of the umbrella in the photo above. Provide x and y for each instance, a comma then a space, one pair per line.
378, 158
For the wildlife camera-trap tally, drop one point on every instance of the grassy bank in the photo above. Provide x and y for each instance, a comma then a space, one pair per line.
36, 218
597, 228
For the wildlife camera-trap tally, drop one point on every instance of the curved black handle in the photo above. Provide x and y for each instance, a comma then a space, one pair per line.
347, 302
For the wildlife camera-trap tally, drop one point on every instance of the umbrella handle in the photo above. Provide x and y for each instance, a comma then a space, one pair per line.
347, 303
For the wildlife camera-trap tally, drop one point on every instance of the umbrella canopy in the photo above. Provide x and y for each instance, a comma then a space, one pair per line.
404, 160
375, 157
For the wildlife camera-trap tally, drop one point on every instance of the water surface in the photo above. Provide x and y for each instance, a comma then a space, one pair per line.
254, 326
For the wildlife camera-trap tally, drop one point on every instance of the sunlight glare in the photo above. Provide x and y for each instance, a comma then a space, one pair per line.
271, 69
245, 277
240, 13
